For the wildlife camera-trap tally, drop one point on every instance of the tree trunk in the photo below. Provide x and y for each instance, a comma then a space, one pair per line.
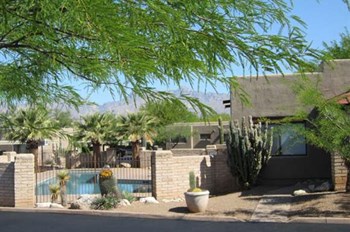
97, 155
63, 194
135, 154
33, 146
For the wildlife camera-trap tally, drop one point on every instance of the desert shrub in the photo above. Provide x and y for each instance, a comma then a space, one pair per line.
105, 203
128, 196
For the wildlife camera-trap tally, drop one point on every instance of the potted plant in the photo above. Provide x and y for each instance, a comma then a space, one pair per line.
196, 198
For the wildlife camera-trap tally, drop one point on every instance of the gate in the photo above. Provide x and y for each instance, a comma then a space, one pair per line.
133, 176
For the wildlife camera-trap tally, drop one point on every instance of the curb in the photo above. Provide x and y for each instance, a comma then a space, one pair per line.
192, 217
123, 214
320, 220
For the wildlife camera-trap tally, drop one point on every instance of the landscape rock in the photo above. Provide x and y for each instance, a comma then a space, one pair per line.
300, 192
149, 200
125, 165
74, 206
124, 202
48, 205
43, 205
55, 205
84, 201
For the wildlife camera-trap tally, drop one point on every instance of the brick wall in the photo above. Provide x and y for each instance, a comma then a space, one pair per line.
17, 181
170, 174
340, 173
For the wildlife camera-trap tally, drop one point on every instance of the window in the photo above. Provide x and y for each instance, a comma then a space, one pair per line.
287, 139
204, 136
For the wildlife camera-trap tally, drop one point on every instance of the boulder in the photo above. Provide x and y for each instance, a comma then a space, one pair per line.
55, 205
299, 192
125, 165
149, 200
124, 202
84, 201
43, 205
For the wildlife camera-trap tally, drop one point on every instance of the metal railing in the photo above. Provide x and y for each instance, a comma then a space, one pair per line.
133, 176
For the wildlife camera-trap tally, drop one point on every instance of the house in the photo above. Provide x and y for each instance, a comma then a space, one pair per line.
201, 134
272, 97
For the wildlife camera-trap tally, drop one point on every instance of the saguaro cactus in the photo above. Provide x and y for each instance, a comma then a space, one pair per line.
249, 149
221, 130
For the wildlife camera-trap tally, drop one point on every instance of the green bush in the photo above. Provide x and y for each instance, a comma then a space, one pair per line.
128, 196
105, 203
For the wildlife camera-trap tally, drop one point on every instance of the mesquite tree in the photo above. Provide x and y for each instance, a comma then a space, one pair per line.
249, 148
127, 46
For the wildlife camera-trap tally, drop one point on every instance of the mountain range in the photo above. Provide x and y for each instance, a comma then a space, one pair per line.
211, 99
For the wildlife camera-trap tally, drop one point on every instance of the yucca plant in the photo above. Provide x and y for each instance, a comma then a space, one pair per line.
63, 177
54, 190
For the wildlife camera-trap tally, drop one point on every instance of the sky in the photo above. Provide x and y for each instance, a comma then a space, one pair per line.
325, 19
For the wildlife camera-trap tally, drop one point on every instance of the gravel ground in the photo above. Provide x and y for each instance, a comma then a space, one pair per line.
321, 205
240, 205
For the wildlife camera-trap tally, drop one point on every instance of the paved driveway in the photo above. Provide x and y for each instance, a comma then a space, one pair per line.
48, 222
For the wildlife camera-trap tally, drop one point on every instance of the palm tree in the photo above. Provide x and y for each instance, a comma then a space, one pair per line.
30, 126
95, 129
135, 127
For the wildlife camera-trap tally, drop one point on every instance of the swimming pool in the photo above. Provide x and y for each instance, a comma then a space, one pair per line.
87, 183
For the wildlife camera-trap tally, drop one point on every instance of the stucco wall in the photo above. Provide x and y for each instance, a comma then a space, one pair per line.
273, 96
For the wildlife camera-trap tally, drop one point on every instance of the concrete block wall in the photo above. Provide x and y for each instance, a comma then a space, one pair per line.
170, 174
24, 180
7, 184
340, 173
17, 181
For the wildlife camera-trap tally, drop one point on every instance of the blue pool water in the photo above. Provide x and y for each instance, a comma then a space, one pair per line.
87, 183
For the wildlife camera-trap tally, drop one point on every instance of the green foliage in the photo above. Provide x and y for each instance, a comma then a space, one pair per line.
54, 190
137, 126
329, 125
105, 203
46, 45
249, 148
95, 128
134, 127
341, 49
63, 118
169, 112
172, 134
63, 177
30, 126
128, 196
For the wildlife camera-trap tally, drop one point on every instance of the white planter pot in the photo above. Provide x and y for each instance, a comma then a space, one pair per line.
197, 201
